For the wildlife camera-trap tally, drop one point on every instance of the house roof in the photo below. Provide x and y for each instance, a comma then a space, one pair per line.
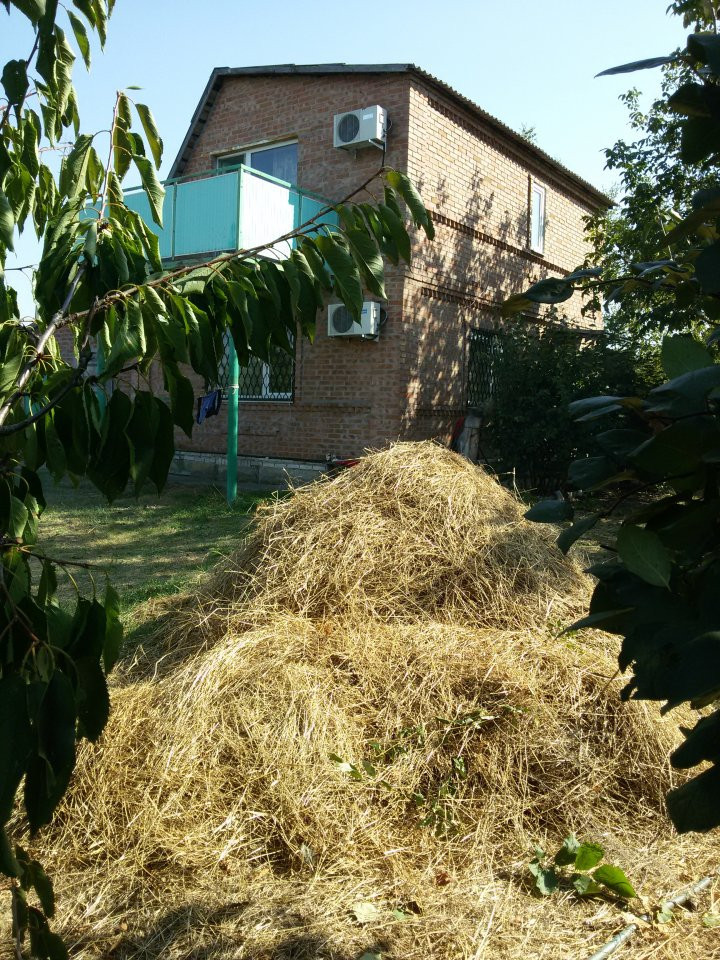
323, 69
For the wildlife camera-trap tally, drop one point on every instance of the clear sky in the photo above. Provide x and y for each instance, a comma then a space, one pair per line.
528, 62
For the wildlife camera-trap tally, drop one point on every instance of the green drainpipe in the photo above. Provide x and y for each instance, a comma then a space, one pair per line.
232, 422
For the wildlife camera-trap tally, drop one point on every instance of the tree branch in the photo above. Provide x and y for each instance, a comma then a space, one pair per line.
239, 255
39, 347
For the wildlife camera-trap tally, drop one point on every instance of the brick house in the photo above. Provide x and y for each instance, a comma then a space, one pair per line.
505, 214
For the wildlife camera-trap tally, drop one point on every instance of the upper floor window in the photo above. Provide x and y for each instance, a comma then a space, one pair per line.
279, 160
537, 218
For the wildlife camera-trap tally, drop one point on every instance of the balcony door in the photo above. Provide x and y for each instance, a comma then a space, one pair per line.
279, 161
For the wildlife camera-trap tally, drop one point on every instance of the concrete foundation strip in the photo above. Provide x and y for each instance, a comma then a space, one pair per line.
617, 941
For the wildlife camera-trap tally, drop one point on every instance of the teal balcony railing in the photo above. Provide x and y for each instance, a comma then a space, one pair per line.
228, 210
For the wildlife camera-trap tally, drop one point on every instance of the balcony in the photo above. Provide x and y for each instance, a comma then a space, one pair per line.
228, 210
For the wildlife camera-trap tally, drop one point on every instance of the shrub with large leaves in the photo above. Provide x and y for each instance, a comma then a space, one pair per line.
659, 589
100, 276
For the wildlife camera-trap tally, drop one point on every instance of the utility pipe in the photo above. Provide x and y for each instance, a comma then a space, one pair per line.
232, 422
619, 939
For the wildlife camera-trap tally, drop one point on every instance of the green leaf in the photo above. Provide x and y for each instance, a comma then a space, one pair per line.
15, 82
568, 537
346, 275
613, 878
546, 880
643, 554
113, 628
90, 243
647, 64
43, 887
7, 222
33, 9
81, 37
10, 369
182, 398
122, 152
15, 740
588, 855
706, 47
707, 269
110, 467
550, 511
594, 405
151, 132
17, 519
682, 353
164, 446
141, 432
394, 228
679, 449
54, 451
93, 699
404, 186
567, 852
592, 472
687, 394
50, 768
153, 188
550, 290
585, 886
368, 259
74, 167
128, 339
9, 865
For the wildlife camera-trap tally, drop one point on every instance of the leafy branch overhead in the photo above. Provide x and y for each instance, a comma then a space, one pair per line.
101, 278
659, 588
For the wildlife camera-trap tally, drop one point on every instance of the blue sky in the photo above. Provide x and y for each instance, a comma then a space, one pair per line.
528, 62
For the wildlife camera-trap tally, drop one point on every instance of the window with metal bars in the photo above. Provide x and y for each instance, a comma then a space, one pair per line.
260, 380
484, 347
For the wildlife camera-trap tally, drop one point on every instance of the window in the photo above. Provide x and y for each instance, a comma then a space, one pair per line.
262, 381
537, 218
484, 346
268, 381
279, 161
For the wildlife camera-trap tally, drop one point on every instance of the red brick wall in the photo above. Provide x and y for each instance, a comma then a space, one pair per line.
479, 201
349, 393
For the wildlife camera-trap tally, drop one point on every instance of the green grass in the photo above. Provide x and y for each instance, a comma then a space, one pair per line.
152, 546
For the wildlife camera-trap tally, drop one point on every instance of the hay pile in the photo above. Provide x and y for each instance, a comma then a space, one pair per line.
402, 618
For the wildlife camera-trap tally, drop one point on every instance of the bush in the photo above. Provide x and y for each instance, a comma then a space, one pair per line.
538, 372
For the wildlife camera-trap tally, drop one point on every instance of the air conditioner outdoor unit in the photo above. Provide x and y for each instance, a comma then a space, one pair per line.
341, 322
361, 128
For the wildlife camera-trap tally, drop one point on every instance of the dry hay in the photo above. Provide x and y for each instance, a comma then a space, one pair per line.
214, 823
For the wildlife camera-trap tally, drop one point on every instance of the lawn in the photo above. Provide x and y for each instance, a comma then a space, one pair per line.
151, 546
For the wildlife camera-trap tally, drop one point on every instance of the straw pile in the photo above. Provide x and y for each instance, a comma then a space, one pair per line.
403, 619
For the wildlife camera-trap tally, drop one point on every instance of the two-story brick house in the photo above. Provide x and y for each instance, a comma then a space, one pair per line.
505, 214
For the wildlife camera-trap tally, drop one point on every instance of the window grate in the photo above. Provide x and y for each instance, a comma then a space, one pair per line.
484, 347
260, 380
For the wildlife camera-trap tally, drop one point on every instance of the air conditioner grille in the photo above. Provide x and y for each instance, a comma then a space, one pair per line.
342, 319
348, 127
